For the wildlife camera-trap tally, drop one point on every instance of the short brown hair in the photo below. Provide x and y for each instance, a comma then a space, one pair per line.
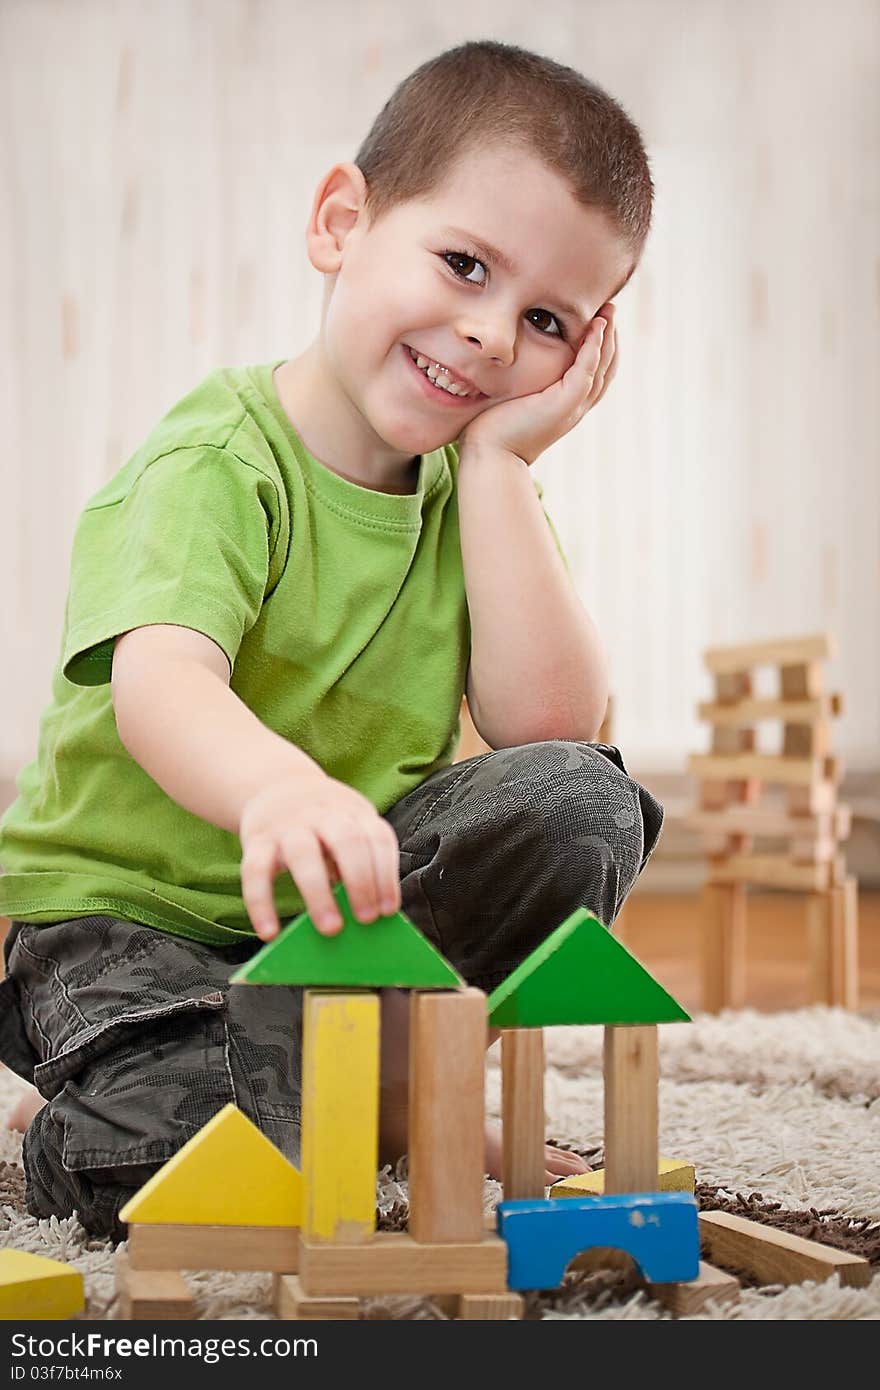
489, 91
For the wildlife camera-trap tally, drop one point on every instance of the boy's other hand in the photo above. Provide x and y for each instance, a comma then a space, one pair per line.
314, 826
528, 425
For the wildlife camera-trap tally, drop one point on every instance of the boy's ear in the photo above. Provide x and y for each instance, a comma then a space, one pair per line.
338, 203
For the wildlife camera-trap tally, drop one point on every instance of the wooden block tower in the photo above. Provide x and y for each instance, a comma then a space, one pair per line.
806, 816
315, 1229
341, 1257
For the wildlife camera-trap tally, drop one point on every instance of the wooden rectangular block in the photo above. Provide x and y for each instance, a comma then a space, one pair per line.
766, 767
777, 1257
813, 850
732, 687
832, 936
152, 1294
713, 796
392, 1262
817, 799
741, 818
689, 1297
340, 1114
723, 945
447, 1114
788, 711
632, 1078
522, 1111
291, 1302
783, 651
732, 738
214, 1247
801, 680
770, 870
845, 950
477, 1307
805, 740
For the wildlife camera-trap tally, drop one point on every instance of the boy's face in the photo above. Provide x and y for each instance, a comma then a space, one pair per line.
417, 281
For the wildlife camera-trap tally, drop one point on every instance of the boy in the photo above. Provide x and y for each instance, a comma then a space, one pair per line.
275, 607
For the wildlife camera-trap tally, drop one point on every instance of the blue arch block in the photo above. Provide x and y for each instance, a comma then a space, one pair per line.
658, 1229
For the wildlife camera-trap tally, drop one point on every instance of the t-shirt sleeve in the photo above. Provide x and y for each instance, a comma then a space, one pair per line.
188, 542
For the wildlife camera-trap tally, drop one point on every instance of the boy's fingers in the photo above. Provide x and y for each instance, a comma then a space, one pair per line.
590, 356
304, 856
353, 852
386, 867
609, 374
258, 869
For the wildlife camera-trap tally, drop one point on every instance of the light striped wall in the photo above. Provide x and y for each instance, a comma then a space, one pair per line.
157, 165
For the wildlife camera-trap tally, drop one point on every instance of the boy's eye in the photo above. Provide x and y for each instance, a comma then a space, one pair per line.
560, 331
453, 257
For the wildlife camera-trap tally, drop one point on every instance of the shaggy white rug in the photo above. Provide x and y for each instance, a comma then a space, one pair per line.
783, 1105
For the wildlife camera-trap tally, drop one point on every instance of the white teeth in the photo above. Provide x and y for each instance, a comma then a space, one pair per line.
433, 371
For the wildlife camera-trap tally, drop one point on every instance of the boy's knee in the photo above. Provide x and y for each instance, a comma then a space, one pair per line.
120, 1115
53, 1188
607, 803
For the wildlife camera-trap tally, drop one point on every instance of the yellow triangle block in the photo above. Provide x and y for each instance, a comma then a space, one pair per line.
672, 1176
33, 1287
229, 1174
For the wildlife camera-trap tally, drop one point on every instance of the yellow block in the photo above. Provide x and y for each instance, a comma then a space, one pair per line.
33, 1287
673, 1176
340, 1115
229, 1174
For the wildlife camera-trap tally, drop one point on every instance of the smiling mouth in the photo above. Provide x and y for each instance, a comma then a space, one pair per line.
443, 378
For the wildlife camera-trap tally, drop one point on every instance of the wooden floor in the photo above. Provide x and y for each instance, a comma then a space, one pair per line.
663, 931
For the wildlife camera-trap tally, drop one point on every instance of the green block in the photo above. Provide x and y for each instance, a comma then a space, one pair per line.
369, 955
581, 974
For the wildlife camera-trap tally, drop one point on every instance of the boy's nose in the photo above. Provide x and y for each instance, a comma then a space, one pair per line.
495, 343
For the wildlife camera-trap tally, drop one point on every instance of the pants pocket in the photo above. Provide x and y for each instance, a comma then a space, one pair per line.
135, 1090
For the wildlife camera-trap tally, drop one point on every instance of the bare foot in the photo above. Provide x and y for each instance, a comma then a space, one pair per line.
24, 1110
558, 1163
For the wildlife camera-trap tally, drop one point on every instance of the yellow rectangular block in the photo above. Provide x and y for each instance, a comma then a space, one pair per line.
340, 1115
672, 1176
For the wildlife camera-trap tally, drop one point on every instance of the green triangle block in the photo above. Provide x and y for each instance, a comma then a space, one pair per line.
581, 974
367, 955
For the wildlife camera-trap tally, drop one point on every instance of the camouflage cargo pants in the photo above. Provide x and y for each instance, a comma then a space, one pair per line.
135, 1039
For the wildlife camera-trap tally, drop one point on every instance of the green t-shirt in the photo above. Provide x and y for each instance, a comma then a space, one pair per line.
344, 617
